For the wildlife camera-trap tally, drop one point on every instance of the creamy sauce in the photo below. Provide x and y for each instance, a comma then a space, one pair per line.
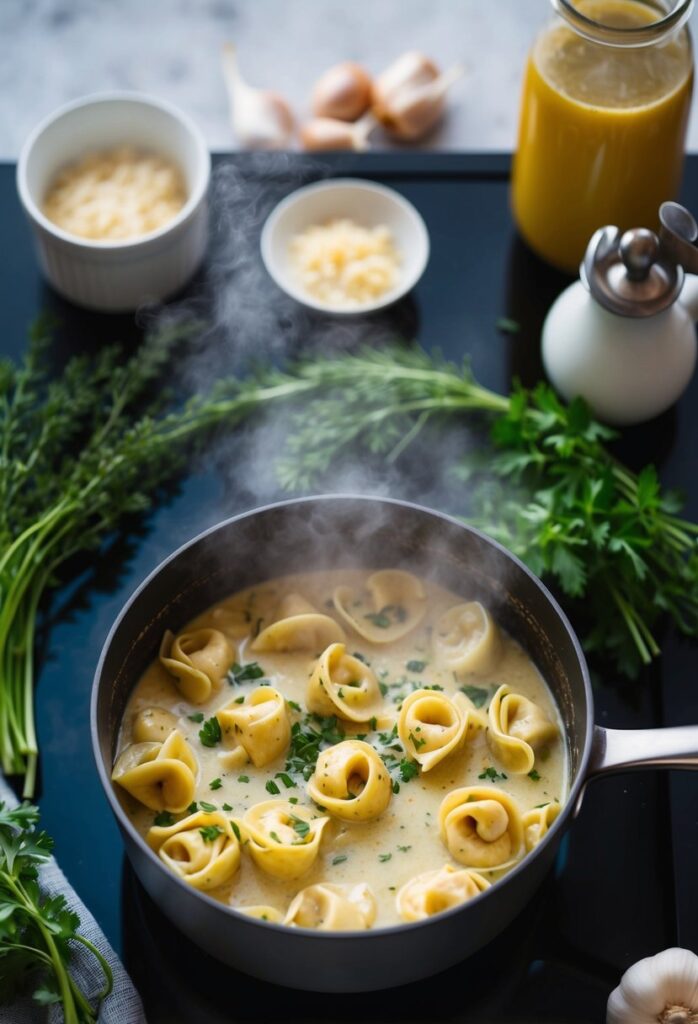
404, 841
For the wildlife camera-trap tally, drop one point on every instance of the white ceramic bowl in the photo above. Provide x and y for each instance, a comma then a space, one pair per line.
365, 203
117, 276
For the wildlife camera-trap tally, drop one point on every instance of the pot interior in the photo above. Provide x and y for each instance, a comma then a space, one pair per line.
341, 532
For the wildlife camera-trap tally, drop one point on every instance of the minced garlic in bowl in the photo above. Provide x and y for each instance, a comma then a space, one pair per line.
344, 265
115, 194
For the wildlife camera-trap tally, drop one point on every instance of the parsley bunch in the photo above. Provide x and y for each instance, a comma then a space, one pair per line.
541, 480
37, 931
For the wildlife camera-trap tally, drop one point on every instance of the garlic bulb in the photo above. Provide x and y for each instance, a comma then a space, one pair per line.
661, 988
343, 92
261, 119
329, 133
409, 97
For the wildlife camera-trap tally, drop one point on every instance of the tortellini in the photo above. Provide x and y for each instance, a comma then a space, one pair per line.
333, 908
345, 686
160, 775
351, 781
517, 728
202, 848
198, 660
466, 639
481, 827
435, 891
394, 604
284, 838
298, 626
537, 822
153, 725
260, 725
432, 725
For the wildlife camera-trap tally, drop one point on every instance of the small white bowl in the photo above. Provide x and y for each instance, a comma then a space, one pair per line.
117, 276
363, 202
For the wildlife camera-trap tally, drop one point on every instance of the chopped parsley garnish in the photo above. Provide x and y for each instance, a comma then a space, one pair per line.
211, 832
239, 700
339, 859
408, 769
293, 705
286, 779
227, 807
215, 784
163, 819
275, 837
404, 849
308, 738
198, 716
396, 786
476, 694
361, 657
533, 774
236, 830
416, 666
300, 827
416, 742
210, 734
378, 619
243, 673
207, 807
492, 774
272, 788
538, 806
243, 778
383, 857
192, 808
373, 722
293, 799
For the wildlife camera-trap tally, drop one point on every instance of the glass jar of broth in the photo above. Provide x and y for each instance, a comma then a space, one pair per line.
605, 105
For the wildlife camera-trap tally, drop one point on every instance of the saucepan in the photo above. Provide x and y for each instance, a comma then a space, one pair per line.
344, 531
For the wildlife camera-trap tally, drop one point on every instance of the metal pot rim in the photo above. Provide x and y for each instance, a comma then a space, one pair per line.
567, 809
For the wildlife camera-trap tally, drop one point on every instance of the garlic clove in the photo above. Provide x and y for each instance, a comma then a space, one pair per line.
343, 92
328, 133
409, 97
661, 988
261, 119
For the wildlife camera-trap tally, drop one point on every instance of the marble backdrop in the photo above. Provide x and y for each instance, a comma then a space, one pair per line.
54, 50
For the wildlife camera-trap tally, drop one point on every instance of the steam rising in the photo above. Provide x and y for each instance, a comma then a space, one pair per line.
251, 321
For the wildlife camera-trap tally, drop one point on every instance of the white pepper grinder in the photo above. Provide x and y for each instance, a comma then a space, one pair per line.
623, 336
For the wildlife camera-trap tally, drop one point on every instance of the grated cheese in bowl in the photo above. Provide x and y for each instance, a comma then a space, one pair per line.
344, 265
115, 194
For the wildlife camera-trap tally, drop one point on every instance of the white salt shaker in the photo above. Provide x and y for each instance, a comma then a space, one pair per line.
623, 336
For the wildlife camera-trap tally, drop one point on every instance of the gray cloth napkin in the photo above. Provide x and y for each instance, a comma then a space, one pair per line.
123, 1006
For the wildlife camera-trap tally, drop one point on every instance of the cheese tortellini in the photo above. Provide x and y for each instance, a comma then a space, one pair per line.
202, 848
298, 626
262, 912
160, 775
537, 822
153, 725
260, 725
393, 606
284, 838
517, 728
333, 908
481, 827
466, 639
432, 725
198, 659
351, 781
435, 891
345, 686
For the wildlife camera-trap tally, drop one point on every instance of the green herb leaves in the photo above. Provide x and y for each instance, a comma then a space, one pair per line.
492, 774
244, 673
476, 694
210, 833
210, 734
37, 932
308, 738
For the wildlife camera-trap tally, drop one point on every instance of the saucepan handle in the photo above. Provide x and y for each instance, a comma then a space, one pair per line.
624, 750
